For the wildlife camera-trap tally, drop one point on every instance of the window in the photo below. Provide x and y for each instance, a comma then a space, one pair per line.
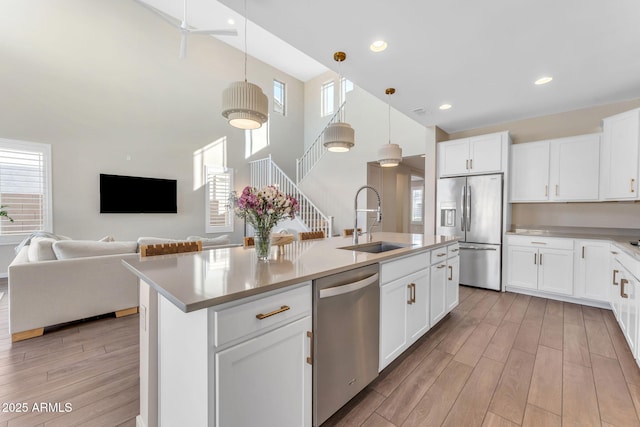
327, 104
279, 94
417, 199
218, 210
346, 86
25, 187
256, 140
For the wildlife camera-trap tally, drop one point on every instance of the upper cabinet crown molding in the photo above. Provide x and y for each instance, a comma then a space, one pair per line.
620, 156
474, 155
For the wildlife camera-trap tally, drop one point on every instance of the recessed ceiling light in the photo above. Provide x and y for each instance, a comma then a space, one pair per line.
378, 46
543, 80
445, 106
231, 21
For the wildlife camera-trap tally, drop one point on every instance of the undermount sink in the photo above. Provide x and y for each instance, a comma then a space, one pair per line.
375, 247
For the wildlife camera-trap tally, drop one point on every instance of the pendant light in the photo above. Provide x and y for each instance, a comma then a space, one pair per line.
389, 155
244, 104
339, 137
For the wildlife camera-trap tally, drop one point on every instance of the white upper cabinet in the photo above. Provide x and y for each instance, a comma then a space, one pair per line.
472, 156
558, 170
621, 136
575, 168
530, 172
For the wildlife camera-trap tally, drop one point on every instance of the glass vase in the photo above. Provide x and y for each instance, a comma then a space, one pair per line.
262, 241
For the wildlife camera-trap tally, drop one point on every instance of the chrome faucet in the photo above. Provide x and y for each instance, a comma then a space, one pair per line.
378, 212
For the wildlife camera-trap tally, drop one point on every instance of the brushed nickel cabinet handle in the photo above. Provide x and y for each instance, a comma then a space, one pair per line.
310, 357
583, 252
622, 283
535, 258
540, 259
413, 287
614, 277
410, 299
538, 243
441, 255
441, 266
546, 191
631, 185
556, 189
450, 272
614, 252
273, 313
467, 165
471, 164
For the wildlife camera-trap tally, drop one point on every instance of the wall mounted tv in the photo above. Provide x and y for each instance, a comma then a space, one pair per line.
134, 194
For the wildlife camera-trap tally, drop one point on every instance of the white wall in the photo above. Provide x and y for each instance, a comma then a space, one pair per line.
102, 83
333, 182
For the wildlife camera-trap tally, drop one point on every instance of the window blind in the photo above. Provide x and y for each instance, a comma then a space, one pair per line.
219, 212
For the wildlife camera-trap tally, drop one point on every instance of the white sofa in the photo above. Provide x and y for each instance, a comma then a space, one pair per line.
52, 291
58, 281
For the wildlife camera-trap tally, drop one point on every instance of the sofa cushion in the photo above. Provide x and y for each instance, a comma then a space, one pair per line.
155, 240
210, 241
40, 249
66, 249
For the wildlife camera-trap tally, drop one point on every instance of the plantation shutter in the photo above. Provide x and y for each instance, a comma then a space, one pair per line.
25, 187
219, 212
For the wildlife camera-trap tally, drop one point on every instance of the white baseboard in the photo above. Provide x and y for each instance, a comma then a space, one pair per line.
565, 298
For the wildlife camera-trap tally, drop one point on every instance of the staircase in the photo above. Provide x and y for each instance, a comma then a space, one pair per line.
316, 150
266, 172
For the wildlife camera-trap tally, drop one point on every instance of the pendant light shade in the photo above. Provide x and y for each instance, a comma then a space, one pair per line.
338, 137
389, 155
244, 105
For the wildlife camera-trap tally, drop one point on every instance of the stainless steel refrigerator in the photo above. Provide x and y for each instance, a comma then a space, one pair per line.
471, 207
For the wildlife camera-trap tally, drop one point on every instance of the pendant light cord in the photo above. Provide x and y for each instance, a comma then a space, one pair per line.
245, 40
389, 104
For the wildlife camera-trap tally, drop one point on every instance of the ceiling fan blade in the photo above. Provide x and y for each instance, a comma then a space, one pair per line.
230, 32
169, 19
183, 45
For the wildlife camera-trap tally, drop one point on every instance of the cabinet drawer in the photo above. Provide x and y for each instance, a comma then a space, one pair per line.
453, 250
240, 320
540, 242
438, 255
392, 270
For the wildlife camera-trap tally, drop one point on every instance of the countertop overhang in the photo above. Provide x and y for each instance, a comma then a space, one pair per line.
197, 280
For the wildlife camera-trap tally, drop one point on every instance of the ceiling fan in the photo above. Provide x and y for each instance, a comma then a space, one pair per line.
185, 29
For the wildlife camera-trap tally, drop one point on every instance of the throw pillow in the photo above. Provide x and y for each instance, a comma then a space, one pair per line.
40, 249
155, 240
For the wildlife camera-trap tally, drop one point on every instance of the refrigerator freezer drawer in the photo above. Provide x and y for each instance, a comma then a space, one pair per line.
480, 265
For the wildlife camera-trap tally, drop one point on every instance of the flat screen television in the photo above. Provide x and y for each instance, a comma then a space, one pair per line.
134, 194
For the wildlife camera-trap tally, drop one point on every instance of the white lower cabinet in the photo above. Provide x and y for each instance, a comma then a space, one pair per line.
453, 283
404, 313
624, 297
248, 372
414, 295
540, 264
592, 270
243, 363
438, 292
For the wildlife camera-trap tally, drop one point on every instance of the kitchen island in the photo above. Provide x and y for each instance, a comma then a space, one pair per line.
227, 339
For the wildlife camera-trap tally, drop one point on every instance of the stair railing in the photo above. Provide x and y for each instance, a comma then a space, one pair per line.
266, 172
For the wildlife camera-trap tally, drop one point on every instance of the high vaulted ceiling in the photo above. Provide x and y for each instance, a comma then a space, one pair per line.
480, 57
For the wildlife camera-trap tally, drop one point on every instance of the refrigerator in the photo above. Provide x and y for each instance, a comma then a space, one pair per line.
471, 208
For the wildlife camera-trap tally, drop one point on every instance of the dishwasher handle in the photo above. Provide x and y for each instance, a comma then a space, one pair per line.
349, 287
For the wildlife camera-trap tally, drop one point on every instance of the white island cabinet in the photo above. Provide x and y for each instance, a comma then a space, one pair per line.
229, 348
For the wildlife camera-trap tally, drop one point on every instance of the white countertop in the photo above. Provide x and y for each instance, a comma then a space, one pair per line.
197, 280
621, 237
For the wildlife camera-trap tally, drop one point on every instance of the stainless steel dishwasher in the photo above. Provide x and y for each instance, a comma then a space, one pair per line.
346, 312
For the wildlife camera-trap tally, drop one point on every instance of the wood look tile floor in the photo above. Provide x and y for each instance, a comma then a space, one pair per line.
504, 359
92, 365
499, 359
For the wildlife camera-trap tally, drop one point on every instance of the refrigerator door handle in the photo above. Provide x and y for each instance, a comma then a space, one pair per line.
463, 208
468, 208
